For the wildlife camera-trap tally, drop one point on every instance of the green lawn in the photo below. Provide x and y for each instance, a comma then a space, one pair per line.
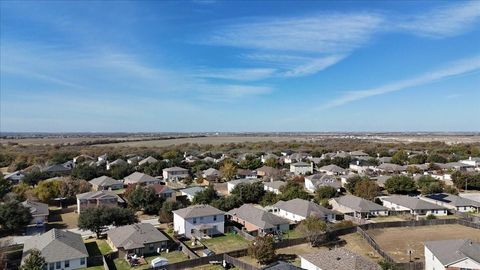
100, 267
97, 247
172, 257
225, 243
292, 234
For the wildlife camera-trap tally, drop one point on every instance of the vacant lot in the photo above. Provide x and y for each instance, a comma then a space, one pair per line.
398, 241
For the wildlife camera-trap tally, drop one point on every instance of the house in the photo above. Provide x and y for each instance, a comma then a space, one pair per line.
314, 181
332, 169
361, 166
60, 249
471, 161
212, 174
382, 160
148, 160
164, 192
274, 186
249, 174
191, 159
280, 265
82, 159
257, 221
134, 160
390, 168
266, 171
338, 259
191, 192
451, 201
140, 179
14, 177
413, 205
232, 184
198, 221
102, 158
39, 212
357, 207
266, 157
97, 199
295, 157
57, 169
139, 239
358, 154
117, 162
297, 210
452, 254
105, 183
174, 173
301, 168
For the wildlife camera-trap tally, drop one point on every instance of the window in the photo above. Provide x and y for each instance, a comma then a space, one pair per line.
67, 263
82, 261
194, 220
58, 265
150, 246
214, 218
52, 266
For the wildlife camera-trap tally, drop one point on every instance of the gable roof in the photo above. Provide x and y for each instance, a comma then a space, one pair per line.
319, 179
453, 200
57, 245
105, 181
359, 204
159, 188
243, 180
411, 202
452, 251
36, 208
199, 210
211, 172
192, 190
147, 160
390, 167
257, 217
175, 169
281, 265
303, 208
275, 184
340, 259
56, 168
138, 177
332, 168
135, 235
101, 194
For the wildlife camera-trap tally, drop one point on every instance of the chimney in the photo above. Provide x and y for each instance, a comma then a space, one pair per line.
470, 158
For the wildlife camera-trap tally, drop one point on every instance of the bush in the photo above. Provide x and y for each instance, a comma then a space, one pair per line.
430, 217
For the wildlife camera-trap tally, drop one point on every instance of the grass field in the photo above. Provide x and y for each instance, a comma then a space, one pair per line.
97, 247
397, 241
225, 243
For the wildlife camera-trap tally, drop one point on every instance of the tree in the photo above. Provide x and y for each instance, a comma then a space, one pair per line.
34, 177
34, 261
469, 180
400, 157
418, 159
387, 265
450, 190
293, 190
227, 203
144, 198
121, 171
400, 184
367, 189
269, 198
205, 196
325, 192
14, 216
165, 214
428, 185
5, 186
23, 191
313, 228
228, 170
352, 182
96, 219
249, 193
250, 163
271, 162
86, 172
70, 188
47, 190
435, 158
262, 249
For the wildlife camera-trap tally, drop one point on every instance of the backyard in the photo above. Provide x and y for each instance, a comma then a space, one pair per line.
399, 241
65, 218
97, 247
225, 243
172, 257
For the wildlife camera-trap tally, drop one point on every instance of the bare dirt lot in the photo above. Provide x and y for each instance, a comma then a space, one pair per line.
397, 241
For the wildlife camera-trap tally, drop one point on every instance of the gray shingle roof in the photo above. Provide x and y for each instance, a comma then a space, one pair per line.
200, 210
243, 180
135, 235
411, 202
453, 200
104, 181
57, 245
319, 180
451, 251
340, 259
175, 169
148, 160
303, 208
101, 194
138, 177
192, 190
359, 204
275, 184
36, 208
390, 167
332, 168
257, 217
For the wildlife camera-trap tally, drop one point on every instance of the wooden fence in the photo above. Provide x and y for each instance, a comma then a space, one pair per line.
238, 263
242, 233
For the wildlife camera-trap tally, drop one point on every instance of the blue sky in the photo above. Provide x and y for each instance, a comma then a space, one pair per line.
240, 66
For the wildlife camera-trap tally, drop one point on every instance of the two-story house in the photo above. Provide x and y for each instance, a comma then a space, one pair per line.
198, 221
97, 199
175, 173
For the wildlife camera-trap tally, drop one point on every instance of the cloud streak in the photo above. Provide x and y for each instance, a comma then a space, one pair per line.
457, 68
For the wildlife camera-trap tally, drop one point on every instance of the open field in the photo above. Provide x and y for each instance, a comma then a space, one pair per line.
397, 241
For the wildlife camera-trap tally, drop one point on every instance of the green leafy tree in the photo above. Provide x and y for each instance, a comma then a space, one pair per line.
34, 261
435, 158
5, 186
293, 190
227, 203
428, 185
400, 184
352, 182
121, 171
144, 198
205, 196
47, 190
418, 159
272, 162
228, 170
86, 172
249, 193
96, 219
262, 249
34, 177
312, 228
165, 214
450, 190
469, 180
69, 188
269, 198
400, 157
325, 192
250, 163
14, 216
367, 189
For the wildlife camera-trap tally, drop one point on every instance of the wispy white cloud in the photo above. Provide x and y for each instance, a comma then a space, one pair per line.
238, 74
314, 66
446, 21
457, 68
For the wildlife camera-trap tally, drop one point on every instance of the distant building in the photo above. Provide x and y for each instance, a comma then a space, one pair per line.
297, 210
105, 183
164, 192
332, 169
191, 192
274, 186
301, 168
453, 202
233, 183
148, 160
140, 179
117, 162
14, 177
462, 254
175, 173
314, 181
97, 199
413, 205
357, 207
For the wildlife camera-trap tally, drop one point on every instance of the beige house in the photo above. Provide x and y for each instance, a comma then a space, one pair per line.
97, 199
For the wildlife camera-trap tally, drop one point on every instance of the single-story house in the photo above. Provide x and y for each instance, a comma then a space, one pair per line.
57, 169
249, 174
452, 254
164, 192
266, 171
332, 169
14, 177
211, 173
357, 207
134, 160
60, 249
233, 183
105, 183
117, 162
148, 160
198, 221
139, 239
39, 212
413, 205
338, 259
297, 210
390, 168
175, 173
191, 192
97, 199
471, 161
140, 179
314, 181
258, 221
274, 186
454, 202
